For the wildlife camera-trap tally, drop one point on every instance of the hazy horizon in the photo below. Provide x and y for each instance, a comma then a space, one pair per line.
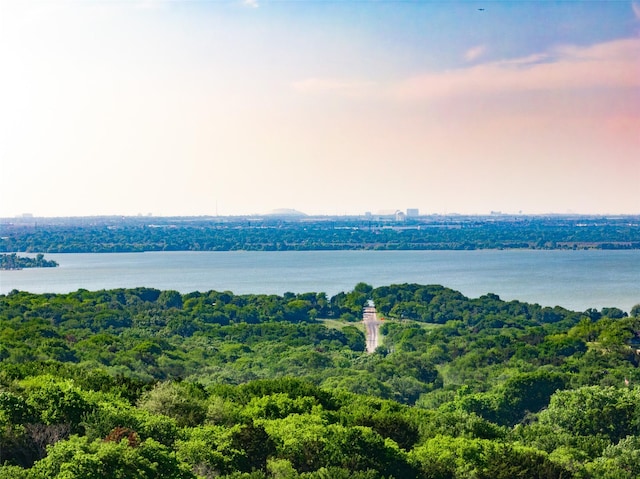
27, 216
240, 107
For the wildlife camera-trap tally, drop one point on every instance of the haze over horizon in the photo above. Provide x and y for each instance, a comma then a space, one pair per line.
241, 107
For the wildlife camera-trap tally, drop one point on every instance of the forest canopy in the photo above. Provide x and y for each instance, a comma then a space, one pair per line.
143, 383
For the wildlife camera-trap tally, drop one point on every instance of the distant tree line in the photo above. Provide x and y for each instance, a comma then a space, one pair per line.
171, 234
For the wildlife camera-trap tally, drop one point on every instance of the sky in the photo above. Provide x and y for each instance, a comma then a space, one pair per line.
238, 107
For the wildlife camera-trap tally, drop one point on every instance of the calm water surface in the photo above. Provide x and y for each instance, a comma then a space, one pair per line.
573, 279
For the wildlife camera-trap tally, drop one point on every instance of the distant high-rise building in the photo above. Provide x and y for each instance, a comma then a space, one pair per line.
413, 212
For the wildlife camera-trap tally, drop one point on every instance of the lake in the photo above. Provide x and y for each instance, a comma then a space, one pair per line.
576, 280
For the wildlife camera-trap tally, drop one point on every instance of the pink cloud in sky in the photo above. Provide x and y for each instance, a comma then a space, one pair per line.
609, 65
475, 53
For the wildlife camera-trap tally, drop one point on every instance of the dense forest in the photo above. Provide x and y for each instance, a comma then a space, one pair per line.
142, 383
134, 234
13, 261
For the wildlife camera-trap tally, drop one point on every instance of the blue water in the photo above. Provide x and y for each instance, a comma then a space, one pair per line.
575, 280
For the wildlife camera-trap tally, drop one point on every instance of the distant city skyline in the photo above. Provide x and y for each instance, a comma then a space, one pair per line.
392, 215
330, 108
